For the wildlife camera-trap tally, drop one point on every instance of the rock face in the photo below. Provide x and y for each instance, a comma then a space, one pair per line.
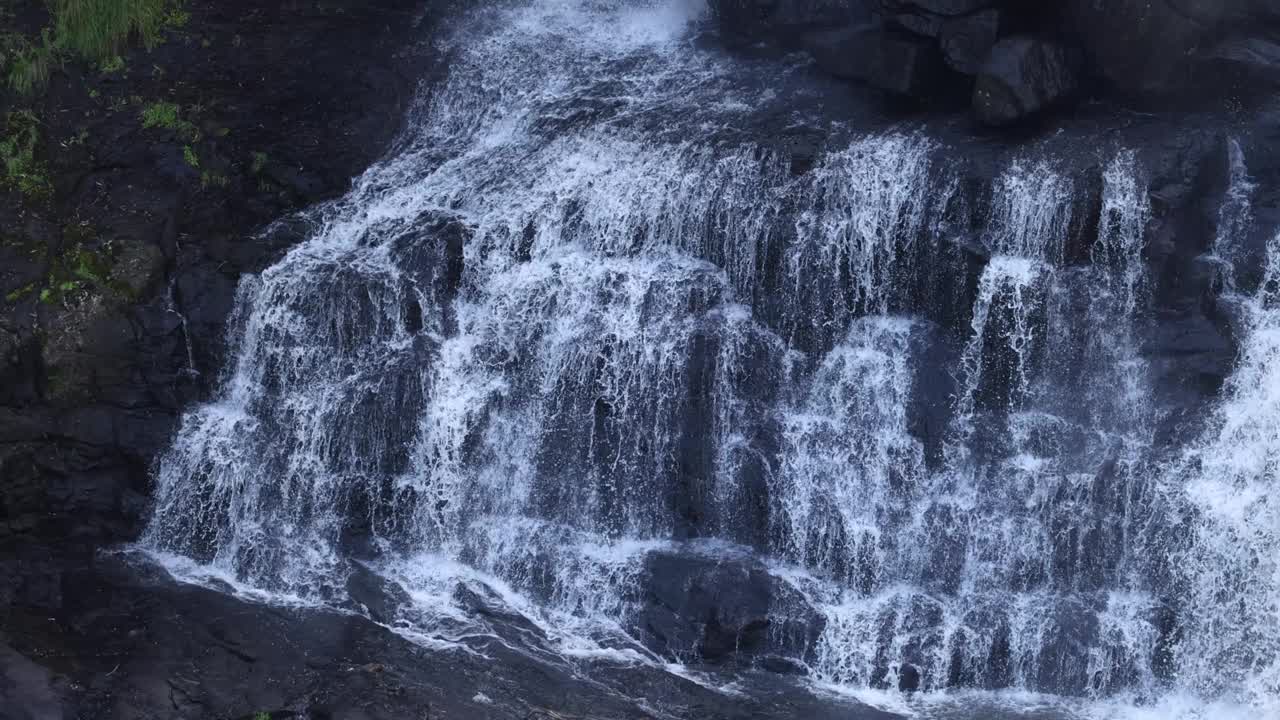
967, 40
1176, 47
706, 609
786, 19
115, 287
899, 63
132, 643
1195, 52
114, 291
1021, 77
949, 8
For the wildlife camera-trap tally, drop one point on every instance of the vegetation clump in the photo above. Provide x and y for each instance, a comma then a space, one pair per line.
168, 116
98, 29
19, 141
28, 63
78, 270
93, 30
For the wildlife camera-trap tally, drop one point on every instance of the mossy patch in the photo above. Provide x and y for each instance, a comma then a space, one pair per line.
19, 159
168, 116
109, 271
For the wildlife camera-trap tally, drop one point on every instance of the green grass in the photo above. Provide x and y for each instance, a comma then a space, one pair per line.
162, 115
168, 116
19, 142
111, 65
98, 29
94, 30
190, 156
27, 64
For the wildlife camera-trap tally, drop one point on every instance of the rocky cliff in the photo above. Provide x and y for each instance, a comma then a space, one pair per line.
153, 176
146, 184
1012, 60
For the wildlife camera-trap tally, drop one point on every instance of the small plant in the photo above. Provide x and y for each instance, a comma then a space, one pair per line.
168, 116
190, 156
22, 170
218, 180
177, 18
259, 163
262, 716
16, 295
78, 271
80, 138
160, 114
111, 65
27, 64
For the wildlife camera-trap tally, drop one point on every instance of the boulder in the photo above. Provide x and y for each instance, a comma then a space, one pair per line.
923, 24
1022, 77
1158, 47
381, 597
896, 62
966, 41
1250, 65
949, 8
718, 608
786, 20
1068, 636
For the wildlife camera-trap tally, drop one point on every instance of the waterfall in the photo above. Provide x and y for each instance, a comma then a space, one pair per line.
1228, 481
580, 316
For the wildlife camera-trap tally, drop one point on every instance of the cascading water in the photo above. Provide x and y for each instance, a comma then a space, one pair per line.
579, 316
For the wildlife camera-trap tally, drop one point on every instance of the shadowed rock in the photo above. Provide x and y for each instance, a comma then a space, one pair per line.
1023, 76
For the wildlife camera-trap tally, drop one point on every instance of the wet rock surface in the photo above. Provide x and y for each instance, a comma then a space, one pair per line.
90, 390
115, 290
130, 642
715, 607
1023, 76
1191, 54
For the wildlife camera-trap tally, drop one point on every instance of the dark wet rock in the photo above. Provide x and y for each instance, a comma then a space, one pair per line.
786, 20
1151, 53
91, 384
1199, 53
29, 691
908, 678
896, 62
1195, 50
932, 388
927, 25
380, 597
780, 665
1191, 357
1023, 76
485, 603
943, 7
719, 607
1248, 61
132, 643
1068, 637
966, 41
